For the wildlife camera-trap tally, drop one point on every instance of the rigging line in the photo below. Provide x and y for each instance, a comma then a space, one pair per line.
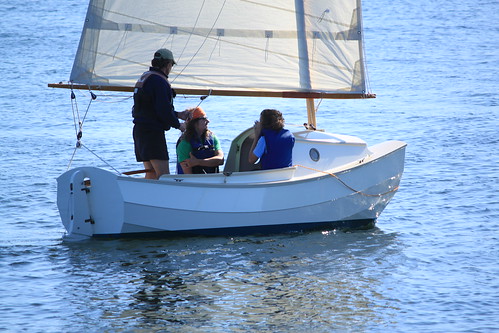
202, 98
217, 43
204, 41
119, 43
120, 100
318, 104
112, 98
88, 108
109, 165
166, 40
79, 127
186, 97
76, 115
348, 186
192, 31
117, 96
72, 157
323, 15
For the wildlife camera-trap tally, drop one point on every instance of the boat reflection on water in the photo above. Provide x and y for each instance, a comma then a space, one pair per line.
311, 280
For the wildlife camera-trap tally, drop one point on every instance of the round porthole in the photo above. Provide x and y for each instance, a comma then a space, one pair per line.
314, 154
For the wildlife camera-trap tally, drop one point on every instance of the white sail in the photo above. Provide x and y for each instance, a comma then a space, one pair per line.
241, 45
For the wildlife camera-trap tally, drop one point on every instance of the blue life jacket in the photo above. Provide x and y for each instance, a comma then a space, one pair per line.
201, 151
279, 149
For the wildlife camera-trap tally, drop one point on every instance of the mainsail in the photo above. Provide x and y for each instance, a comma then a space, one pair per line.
288, 48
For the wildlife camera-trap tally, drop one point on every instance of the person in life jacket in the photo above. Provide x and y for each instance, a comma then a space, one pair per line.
273, 144
153, 114
199, 150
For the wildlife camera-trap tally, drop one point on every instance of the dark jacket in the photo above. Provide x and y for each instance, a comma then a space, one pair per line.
153, 102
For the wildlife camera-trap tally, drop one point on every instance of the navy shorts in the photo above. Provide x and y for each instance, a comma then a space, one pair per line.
149, 144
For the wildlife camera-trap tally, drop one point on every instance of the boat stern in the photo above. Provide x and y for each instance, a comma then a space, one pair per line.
89, 202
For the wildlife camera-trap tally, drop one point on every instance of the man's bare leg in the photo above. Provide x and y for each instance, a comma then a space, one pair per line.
151, 174
161, 167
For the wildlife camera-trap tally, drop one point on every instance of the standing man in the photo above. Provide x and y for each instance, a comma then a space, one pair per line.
153, 114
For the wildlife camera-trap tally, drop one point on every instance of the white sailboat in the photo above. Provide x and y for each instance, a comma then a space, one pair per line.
305, 49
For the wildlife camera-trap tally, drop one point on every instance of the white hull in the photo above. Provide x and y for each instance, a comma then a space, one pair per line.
95, 202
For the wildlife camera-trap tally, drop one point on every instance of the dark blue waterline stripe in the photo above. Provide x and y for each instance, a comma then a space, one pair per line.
249, 231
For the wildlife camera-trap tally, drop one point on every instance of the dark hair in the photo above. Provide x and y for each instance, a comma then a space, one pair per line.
272, 119
160, 62
190, 131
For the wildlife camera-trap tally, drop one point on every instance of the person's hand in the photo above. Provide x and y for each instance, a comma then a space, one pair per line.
183, 115
257, 128
190, 162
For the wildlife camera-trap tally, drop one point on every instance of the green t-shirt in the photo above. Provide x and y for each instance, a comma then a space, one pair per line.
184, 148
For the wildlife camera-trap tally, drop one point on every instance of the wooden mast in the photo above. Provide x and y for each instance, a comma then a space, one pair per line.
311, 112
305, 82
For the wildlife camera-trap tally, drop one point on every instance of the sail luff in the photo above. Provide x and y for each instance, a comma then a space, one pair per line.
86, 55
363, 68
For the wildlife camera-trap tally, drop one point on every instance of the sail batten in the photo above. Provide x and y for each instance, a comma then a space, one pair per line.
347, 34
230, 45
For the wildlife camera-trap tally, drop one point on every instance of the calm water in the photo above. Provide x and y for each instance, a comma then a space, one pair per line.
430, 265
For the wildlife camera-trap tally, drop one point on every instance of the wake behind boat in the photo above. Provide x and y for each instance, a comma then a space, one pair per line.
290, 49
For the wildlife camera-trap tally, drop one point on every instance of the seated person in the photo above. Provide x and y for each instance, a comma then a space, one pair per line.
199, 150
273, 144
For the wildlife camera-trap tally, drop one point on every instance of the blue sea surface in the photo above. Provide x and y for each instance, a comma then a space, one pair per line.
431, 264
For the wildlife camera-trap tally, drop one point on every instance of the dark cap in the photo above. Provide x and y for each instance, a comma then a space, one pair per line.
164, 54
